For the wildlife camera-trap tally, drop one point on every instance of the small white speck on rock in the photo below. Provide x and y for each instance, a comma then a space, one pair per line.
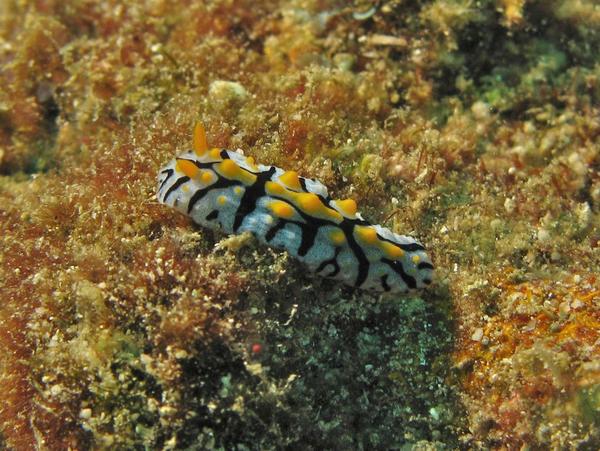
477, 334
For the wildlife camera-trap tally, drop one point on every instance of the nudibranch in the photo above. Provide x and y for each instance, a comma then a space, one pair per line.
225, 190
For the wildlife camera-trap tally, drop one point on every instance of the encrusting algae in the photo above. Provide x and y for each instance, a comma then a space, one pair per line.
471, 125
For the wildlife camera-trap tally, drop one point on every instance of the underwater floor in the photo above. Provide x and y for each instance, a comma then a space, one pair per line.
472, 126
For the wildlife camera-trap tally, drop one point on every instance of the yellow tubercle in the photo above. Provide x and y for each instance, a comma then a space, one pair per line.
291, 180
337, 237
275, 189
185, 188
391, 250
416, 259
307, 202
251, 163
366, 234
231, 170
238, 190
215, 154
311, 204
281, 209
199, 139
188, 168
221, 200
206, 177
347, 207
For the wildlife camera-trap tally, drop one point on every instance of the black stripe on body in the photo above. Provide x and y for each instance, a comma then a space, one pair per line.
408, 247
180, 181
333, 262
219, 184
273, 230
308, 232
303, 184
363, 263
326, 200
396, 265
308, 239
309, 228
251, 195
425, 265
384, 283
212, 215
169, 173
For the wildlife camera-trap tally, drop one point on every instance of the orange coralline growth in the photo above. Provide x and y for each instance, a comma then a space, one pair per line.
583, 329
527, 350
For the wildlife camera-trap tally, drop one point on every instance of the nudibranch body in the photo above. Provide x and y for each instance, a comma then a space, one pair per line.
222, 189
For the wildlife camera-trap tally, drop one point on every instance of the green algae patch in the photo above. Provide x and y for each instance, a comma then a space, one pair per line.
470, 125
589, 404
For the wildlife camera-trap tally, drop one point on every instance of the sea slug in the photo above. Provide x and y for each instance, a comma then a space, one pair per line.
225, 190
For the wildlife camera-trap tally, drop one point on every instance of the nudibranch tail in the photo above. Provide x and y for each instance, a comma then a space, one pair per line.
222, 189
